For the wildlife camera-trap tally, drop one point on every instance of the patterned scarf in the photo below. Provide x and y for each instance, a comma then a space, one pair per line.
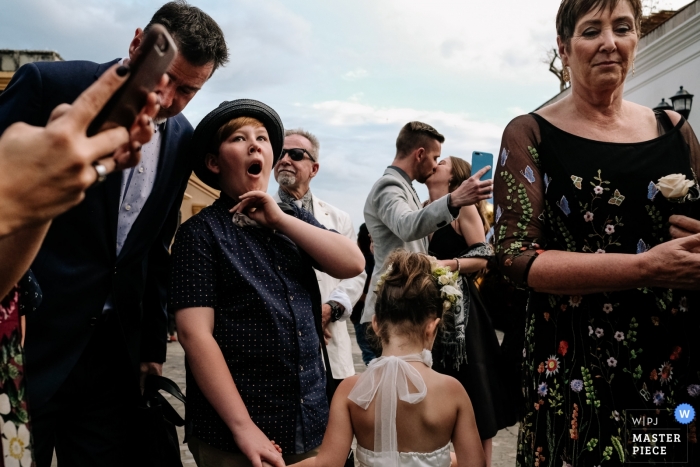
307, 201
453, 335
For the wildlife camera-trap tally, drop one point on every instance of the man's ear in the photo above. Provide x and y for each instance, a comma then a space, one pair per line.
135, 43
418, 155
212, 163
314, 169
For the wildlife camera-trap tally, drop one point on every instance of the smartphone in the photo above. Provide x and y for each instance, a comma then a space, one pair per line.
481, 160
155, 55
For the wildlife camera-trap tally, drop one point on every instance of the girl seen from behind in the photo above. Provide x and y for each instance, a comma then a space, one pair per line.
401, 411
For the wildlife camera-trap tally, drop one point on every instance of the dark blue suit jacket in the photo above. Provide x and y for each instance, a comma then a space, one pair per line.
77, 267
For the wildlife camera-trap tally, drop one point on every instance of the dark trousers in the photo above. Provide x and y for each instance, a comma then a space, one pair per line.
90, 421
171, 324
361, 335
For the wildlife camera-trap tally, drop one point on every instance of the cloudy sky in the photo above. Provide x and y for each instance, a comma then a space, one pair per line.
350, 71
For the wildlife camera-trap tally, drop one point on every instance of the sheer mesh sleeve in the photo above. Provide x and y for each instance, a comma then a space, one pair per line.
519, 191
692, 142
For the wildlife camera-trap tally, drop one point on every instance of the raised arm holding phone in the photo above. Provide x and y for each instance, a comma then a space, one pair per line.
47, 170
104, 264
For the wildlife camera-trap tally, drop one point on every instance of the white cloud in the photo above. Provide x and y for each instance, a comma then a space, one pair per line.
515, 111
351, 71
355, 74
498, 38
357, 144
353, 113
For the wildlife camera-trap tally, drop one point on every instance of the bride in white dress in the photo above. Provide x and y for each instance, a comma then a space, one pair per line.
402, 413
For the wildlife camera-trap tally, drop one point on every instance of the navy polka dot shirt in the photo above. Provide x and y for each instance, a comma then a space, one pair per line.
261, 287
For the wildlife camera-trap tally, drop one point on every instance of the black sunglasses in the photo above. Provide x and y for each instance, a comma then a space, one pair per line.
296, 154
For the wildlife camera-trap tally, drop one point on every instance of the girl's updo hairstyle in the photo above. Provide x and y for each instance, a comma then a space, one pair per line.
408, 296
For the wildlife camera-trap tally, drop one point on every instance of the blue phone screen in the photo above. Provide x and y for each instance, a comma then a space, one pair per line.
481, 160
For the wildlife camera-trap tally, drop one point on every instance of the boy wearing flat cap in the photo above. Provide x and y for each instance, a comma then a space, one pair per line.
246, 299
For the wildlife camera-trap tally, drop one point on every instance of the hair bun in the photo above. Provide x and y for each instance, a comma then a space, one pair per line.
407, 294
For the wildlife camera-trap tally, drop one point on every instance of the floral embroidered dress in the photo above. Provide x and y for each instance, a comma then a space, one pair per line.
16, 449
590, 360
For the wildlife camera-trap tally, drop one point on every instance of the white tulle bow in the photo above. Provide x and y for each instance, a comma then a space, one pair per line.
387, 378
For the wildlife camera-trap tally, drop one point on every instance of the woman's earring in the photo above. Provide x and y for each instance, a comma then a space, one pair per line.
565, 74
632, 68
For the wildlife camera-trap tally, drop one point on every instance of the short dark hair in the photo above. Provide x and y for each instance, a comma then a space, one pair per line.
570, 11
415, 135
199, 39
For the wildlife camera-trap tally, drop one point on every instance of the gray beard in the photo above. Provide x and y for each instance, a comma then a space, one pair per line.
286, 179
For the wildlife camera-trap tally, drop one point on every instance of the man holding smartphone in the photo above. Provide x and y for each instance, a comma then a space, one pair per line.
394, 214
104, 264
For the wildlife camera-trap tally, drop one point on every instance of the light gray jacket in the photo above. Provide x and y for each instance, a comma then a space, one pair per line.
395, 219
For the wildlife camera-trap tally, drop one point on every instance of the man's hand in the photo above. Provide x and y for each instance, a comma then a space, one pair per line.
261, 208
472, 190
45, 171
325, 319
256, 446
149, 368
141, 132
325, 315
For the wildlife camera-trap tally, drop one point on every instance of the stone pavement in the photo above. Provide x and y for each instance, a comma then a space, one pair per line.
504, 443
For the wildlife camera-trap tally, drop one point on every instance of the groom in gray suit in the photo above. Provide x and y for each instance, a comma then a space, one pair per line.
394, 214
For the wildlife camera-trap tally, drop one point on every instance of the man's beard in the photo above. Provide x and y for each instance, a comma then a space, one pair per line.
286, 178
422, 178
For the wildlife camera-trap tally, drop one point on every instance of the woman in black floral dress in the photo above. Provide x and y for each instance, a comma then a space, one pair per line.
583, 221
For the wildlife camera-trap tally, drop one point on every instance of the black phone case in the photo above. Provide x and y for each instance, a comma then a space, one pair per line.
156, 54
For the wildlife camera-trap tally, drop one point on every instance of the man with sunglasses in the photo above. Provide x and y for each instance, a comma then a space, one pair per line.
294, 172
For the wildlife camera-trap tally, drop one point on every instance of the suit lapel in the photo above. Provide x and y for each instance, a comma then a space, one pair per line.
320, 213
155, 209
410, 189
112, 186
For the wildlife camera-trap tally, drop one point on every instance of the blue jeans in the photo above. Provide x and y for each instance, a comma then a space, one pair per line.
361, 335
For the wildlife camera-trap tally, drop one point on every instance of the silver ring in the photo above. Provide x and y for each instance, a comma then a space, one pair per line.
101, 172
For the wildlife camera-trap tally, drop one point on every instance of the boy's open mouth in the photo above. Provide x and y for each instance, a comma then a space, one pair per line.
255, 168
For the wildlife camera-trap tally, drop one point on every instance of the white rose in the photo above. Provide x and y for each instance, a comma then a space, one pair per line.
444, 280
446, 305
449, 290
674, 185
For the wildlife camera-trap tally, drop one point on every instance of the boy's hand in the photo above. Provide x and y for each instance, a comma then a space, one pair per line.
261, 208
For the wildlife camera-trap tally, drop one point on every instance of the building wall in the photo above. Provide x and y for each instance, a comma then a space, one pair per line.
11, 60
197, 196
669, 57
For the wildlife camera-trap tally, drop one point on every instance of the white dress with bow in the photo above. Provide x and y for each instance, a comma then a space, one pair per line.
386, 378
